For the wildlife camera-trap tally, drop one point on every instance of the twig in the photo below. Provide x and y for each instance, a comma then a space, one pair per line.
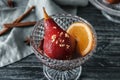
5, 30
21, 24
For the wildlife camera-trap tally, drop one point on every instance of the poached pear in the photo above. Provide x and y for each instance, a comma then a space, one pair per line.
57, 44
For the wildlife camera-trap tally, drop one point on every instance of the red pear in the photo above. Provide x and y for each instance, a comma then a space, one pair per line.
58, 44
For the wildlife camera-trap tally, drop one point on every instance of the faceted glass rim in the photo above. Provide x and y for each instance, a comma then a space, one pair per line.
77, 61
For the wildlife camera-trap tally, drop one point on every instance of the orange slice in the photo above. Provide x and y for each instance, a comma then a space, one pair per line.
83, 35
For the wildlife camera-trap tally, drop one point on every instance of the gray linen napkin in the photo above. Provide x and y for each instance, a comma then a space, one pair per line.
12, 46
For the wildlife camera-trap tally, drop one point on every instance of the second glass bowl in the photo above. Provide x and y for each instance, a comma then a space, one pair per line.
110, 11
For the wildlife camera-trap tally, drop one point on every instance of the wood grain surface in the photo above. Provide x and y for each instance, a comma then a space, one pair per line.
103, 65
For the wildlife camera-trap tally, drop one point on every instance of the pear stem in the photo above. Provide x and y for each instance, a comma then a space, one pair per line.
45, 14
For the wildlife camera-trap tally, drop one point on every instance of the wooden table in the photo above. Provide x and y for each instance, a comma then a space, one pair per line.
103, 65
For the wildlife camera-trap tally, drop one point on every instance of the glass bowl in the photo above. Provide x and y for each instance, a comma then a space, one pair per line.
59, 67
110, 11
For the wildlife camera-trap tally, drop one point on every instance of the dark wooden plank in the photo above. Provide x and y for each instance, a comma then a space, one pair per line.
103, 65
106, 73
